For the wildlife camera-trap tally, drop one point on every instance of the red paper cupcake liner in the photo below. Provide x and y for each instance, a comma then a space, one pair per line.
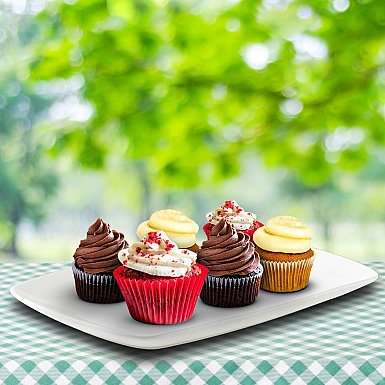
96, 288
161, 301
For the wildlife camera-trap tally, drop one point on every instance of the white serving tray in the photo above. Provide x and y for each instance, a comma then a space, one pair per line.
54, 295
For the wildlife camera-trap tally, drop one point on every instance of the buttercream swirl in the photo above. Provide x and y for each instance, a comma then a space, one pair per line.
233, 213
228, 252
177, 226
98, 253
284, 234
157, 255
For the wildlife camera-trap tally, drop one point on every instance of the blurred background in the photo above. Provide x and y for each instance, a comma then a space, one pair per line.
117, 108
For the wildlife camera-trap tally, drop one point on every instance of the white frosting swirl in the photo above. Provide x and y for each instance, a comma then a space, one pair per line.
157, 255
234, 214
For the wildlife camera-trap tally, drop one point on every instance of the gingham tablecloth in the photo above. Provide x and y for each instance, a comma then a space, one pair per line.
341, 341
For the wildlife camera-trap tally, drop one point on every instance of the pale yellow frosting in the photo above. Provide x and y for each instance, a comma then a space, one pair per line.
178, 227
287, 226
284, 234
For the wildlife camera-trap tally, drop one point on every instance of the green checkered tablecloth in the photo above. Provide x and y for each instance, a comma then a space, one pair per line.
338, 342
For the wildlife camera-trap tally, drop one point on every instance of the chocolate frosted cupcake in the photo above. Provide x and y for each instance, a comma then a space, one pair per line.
234, 269
94, 261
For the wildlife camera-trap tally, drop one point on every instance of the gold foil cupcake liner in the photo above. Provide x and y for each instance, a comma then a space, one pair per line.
286, 276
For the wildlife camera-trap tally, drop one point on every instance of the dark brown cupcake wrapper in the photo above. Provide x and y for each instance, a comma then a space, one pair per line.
96, 288
232, 291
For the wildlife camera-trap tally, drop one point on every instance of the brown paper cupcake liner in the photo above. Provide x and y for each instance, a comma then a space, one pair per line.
232, 291
96, 288
286, 276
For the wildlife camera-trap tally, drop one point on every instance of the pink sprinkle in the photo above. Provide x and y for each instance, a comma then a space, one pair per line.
228, 204
169, 245
152, 237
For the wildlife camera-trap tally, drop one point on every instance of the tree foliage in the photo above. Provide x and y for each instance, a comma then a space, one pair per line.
172, 93
26, 180
187, 86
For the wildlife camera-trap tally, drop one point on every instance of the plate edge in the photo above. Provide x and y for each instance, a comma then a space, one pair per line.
69, 320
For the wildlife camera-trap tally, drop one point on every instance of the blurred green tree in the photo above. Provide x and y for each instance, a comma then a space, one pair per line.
26, 180
184, 87
171, 93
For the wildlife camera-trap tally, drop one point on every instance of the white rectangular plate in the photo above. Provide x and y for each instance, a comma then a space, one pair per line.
54, 296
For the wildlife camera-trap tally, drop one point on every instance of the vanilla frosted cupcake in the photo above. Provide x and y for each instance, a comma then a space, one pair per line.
177, 226
243, 221
284, 246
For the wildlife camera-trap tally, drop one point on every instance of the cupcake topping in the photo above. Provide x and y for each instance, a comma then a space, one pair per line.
174, 221
228, 252
178, 227
98, 253
157, 255
284, 234
233, 213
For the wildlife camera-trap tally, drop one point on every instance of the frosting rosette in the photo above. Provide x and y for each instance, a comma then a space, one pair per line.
178, 227
228, 252
242, 220
284, 234
157, 255
98, 252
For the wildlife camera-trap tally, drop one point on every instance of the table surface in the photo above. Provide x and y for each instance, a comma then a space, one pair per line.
340, 341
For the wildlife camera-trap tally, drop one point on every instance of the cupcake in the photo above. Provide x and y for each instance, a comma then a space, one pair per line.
243, 221
94, 262
286, 255
178, 227
234, 269
159, 282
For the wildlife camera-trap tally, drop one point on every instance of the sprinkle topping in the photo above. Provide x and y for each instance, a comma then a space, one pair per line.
157, 255
234, 214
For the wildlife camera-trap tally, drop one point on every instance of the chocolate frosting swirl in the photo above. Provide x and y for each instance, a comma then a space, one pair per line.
98, 253
228, 252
